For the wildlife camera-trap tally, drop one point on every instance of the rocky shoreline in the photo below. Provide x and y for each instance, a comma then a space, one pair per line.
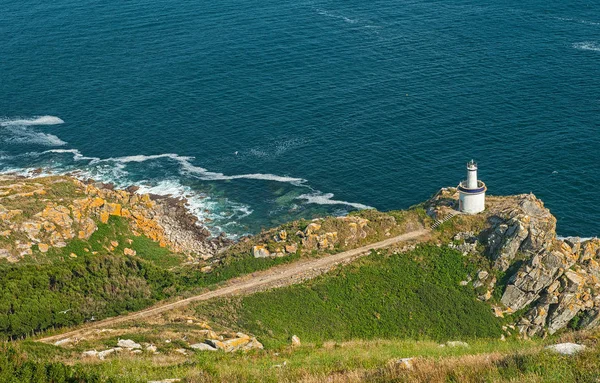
40, 213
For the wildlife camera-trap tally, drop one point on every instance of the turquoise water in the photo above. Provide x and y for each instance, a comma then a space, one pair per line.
265, 111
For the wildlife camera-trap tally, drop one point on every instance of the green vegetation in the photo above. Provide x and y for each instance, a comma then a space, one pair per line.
413, 295
355, 361
54, 290
68, 291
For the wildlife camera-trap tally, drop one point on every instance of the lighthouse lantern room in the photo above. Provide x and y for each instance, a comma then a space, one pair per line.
472, 192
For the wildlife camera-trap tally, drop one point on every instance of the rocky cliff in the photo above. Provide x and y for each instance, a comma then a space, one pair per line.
556, 281
39, 214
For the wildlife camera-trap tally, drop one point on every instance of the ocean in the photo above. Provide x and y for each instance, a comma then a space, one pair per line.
263, 111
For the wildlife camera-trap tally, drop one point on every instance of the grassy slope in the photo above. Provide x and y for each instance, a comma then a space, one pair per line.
413, 295
369, 361
35, 291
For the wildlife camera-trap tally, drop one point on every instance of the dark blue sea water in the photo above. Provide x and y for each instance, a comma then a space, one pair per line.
262, 111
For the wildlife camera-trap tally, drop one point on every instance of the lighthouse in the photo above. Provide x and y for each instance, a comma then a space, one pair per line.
471, 192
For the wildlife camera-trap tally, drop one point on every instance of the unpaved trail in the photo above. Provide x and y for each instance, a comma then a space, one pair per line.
277, 276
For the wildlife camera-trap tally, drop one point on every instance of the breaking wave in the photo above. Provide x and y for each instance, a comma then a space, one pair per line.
16, 131
587, 46
327, 199
210, 212
204, 174
21, 135
215, 210
77, 156
41, 120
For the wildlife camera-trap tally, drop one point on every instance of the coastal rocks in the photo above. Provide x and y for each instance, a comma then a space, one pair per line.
556, 279
528, 227
564, 289
317, 236
559, 285
526, 284
87, 228
464, 242
69, 209
291, 248
260, 251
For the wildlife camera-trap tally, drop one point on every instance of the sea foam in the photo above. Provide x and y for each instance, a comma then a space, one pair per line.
40, 120
21, 135
587, 46
16, 131
327, 199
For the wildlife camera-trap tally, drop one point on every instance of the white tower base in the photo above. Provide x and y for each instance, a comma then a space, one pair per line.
471, 203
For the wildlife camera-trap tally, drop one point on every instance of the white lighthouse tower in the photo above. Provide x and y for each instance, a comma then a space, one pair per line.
472, 192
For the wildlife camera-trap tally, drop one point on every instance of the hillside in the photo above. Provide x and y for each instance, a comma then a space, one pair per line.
75, 252
411, 295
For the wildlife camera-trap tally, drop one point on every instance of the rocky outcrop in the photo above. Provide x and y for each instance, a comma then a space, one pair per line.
318, 235
555, 280
67, 208
525, 227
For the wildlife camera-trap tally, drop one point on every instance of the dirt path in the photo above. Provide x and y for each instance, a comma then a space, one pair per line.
274, 277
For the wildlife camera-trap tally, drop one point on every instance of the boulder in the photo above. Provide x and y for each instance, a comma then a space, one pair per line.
260, 251
235, 344
87, 228
152, 348
103, 354
312, 228
32, 229
43, 248
291, 248
216, 344
113, 208
128, 251
96, 202
59, 215
566, 348
90, 353
404, 363
254, 344
295, 341
63, 342
128, 343
203, 347
282, 236
104, 215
